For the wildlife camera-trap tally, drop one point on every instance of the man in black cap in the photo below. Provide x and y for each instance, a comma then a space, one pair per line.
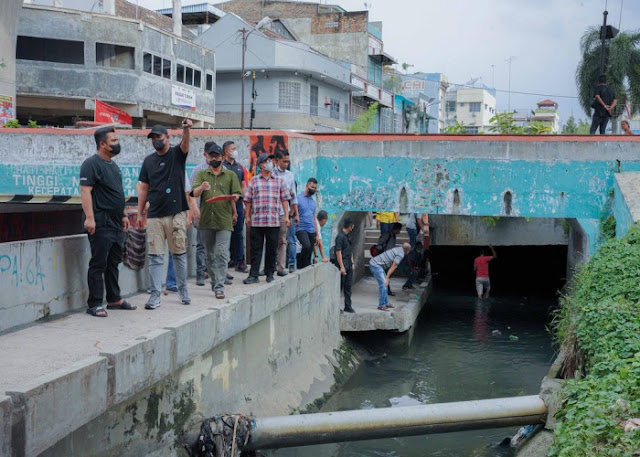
162, 183
266, 196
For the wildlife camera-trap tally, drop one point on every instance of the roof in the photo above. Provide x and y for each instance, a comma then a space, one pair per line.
132, 11
547, 102
201, 13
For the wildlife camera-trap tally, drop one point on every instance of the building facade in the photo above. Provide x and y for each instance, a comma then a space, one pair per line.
68, 58
471, 106
428, 91
547, 114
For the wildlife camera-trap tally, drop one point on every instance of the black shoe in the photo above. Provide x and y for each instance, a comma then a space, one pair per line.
390, 293
262, 273
228, 282
349, 310
270, 278
283, 273
231, 264
241, 267
229, 276
251, 280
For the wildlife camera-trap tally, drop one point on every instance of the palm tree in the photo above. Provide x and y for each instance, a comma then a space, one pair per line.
622, 69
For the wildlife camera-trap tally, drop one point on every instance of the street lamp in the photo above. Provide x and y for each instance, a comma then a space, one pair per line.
245, 34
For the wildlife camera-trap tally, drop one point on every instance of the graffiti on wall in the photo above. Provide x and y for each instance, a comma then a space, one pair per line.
20, 272
265, 144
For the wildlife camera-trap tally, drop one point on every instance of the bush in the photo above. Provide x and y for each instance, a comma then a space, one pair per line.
12, 124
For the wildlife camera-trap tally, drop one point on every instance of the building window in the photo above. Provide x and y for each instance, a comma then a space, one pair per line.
166, 68
472, 130
209, 82
197, 78
50, 50
486, 107
156, 65
331, 25
180, 73
289, 95
335, 109
374, 74
475, 107
188, 75
451, 107
313, 100
115, 56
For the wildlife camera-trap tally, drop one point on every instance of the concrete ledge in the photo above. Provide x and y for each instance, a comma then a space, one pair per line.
51, 407
194, 335
138, 364
5, 426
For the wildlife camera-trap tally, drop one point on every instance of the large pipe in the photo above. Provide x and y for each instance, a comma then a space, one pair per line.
307, 429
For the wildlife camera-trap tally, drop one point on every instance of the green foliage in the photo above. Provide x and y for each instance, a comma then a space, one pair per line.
12, 124
608, 227
490, 221
539, 128
364, 123
570, 127
457, 129
504, 124
32, 124
599, 327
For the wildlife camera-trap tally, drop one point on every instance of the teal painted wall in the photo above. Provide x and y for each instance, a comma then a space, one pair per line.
622, 213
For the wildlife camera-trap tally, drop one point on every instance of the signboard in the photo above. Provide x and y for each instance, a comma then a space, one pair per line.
7, 112
183, 97
110, 114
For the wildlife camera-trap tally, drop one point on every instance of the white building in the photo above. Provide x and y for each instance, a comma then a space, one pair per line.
473, 107
547, 113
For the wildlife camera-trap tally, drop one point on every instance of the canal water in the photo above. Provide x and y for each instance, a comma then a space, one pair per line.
461, 348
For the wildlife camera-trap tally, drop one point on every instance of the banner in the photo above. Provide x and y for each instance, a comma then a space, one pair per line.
184, 98
6, 109
110, 114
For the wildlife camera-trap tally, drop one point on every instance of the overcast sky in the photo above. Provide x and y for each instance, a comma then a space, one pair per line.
463, 38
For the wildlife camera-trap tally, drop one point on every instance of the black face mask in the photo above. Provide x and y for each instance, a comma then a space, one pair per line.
215, 163
158, 145
311, 192
115, 149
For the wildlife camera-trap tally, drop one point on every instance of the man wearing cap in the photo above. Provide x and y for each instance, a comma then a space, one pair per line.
237, 241
162, 184
287, 235
266, 196
217, 218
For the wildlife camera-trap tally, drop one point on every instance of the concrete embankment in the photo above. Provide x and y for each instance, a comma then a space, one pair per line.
130, 384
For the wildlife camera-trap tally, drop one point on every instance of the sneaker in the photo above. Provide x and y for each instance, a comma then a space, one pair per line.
251, 280
172, 288
270, 278
229, 276
200, 281
184, 297
283, 273
228, 282
150, 305
241, 267
292, 268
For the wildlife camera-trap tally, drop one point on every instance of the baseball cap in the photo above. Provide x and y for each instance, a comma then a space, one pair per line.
157, 130
262, 158
211, 147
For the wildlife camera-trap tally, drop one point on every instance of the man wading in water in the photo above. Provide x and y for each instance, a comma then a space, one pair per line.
481, 266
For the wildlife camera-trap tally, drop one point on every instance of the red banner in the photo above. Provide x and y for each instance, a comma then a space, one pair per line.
110, 114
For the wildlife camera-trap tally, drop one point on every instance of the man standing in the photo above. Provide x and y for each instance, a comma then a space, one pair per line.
237, 240
201, 255
287, 230
481, 266
604, 101
105, 222
384, 220
344, 259
318, 249
306, 229
266, 196
162, 177
387, 260
217, 218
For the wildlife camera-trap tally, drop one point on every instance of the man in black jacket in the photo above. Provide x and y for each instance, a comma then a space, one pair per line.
604, 100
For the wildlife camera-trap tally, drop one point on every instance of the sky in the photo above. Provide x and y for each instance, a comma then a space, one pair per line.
463, 39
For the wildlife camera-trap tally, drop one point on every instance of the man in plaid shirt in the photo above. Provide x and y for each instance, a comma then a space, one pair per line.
266, 195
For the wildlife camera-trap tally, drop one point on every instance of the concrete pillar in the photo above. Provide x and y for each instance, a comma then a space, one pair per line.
109, 7
177, 17
9, 10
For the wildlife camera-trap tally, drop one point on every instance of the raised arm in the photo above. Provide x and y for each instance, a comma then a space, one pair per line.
186, 135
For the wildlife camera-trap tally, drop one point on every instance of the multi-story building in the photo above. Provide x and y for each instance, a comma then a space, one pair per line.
69, 55
428, 91
547, 113
342, 35
295, 87
471, 106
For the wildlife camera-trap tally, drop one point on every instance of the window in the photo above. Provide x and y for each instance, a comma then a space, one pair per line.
313, 101
209, 82
289, 95
166, 68
486, 107
331, 25
189, 75
50, 50
115, 56
472, 130
180, 73
156, 65
197, 78
374, 74
475, 107
451, 107
335, 109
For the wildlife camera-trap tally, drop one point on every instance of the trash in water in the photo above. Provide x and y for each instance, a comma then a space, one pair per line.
513, 338
496, 333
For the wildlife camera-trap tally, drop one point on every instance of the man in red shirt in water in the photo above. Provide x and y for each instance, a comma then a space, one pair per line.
481, 266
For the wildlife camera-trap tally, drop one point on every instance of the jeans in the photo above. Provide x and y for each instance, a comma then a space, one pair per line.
258, 236
346, 282
385, 227
216, 243
237, 240
378, 273
106, 254
308, 241
171, 274
291, 247
413, 236
156, 262
201, 256
599, 122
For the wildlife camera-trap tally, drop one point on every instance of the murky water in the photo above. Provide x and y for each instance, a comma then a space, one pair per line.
461, 349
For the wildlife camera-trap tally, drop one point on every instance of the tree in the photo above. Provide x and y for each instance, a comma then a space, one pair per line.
365, 121
570, 127
456, 129
504, 124
583, 127
622, 69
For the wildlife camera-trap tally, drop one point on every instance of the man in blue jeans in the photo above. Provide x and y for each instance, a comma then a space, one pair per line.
388, 260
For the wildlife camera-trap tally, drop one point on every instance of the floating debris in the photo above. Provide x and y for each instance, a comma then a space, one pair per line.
513, 338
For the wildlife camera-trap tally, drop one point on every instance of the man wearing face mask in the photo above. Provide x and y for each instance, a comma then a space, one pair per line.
287, 229
306, 229
237, 240
104, 221
162, 184
266, 196
216, 218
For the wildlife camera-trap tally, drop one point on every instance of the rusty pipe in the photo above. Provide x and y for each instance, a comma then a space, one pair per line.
308, 429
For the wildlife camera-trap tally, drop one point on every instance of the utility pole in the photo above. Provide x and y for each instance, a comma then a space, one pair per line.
245, 33
253, 99
603, 38
493, 75
510, 59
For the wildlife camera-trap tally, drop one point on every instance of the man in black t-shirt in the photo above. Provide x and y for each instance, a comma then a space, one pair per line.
104, 221
344, 258
604, 101
162, 183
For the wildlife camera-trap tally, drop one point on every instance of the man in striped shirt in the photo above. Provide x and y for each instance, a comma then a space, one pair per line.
266, 196
388, 260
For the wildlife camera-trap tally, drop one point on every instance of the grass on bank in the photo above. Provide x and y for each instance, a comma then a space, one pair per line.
598, 325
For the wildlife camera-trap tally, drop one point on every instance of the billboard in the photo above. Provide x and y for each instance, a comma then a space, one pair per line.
110, 114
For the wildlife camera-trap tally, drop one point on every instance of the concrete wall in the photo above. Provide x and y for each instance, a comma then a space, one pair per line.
253, 355
9, 13
626, 201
